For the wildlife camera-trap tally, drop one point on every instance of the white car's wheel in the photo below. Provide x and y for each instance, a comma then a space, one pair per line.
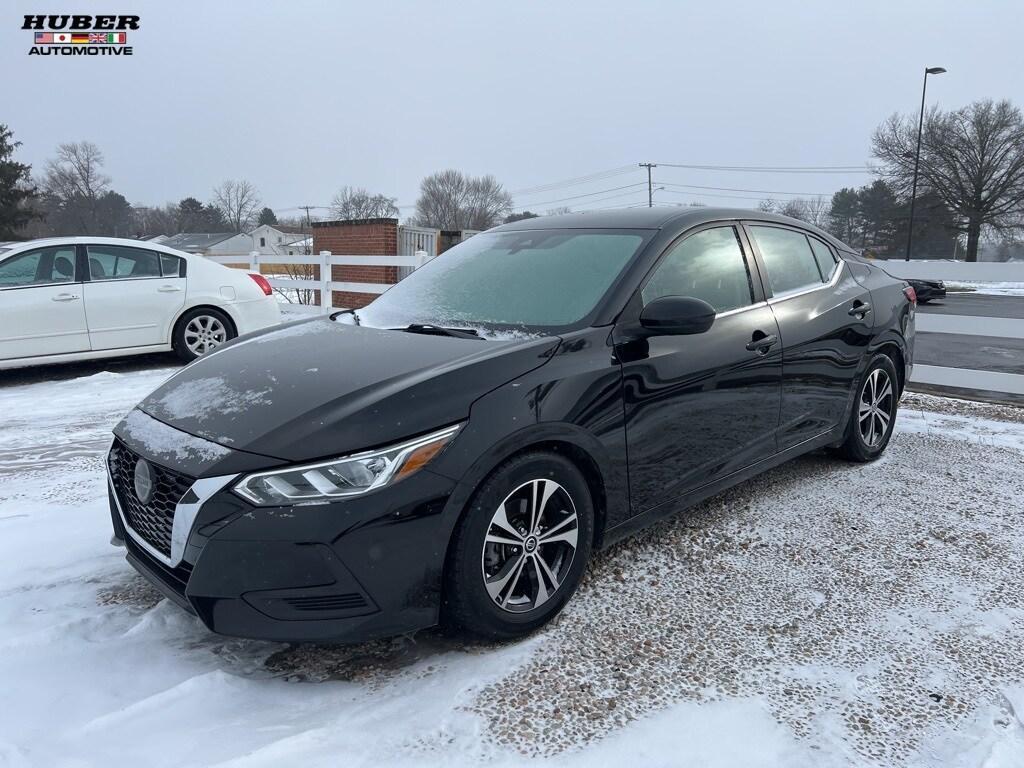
200, 331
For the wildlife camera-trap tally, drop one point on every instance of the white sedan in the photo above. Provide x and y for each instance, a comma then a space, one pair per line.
82, 298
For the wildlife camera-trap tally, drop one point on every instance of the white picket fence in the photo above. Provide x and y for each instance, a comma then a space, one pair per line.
254, 261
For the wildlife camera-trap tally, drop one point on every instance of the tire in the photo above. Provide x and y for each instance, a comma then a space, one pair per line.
508, 587
199, 331
874, 412
923, 301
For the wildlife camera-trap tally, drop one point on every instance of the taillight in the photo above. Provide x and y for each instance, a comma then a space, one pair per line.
261, 281
911, 294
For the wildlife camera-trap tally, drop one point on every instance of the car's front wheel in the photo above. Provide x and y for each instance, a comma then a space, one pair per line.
874, 412
201, 330
521, 548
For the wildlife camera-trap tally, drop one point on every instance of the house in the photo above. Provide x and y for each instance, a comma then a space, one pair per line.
195, 242
266, 239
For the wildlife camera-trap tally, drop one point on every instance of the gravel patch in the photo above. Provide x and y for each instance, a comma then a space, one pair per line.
872, 607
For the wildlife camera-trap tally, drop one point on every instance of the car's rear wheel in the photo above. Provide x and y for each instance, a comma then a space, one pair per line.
874, 412
521, 549
201, 330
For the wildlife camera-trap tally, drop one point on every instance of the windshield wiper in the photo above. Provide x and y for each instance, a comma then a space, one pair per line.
437, 330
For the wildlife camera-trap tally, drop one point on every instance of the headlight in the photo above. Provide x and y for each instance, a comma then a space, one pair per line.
347, 476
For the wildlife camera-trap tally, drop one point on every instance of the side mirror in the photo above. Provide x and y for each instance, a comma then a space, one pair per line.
676, 316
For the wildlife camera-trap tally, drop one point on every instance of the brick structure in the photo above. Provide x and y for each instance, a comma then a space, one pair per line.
362, 237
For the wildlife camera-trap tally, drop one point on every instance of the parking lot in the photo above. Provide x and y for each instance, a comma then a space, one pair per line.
823, 614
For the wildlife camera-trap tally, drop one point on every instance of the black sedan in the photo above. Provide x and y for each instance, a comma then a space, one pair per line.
456, 450
927, 290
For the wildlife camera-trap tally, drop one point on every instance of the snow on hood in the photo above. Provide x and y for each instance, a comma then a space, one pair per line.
166, 445
320, 388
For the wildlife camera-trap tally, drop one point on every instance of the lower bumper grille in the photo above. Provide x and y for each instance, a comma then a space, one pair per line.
343, 602
152, 522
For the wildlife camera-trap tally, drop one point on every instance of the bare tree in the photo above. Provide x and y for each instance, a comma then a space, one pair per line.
818, 211
451, 200
972, 158
795, 209
239, 202
767, 206
156, 219
74, 182
357, 203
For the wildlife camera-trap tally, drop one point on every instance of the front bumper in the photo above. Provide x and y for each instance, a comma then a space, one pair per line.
346, 571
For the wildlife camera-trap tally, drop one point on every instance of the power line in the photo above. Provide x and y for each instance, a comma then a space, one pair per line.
740, 189
711, 194
587, 194
775, 169
590, 177
610, 197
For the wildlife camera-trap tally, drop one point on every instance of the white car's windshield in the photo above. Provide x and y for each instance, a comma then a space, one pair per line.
537, 280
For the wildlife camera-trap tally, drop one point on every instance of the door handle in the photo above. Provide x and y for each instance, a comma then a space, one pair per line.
65, 297
762, 343
168, 289
859, 309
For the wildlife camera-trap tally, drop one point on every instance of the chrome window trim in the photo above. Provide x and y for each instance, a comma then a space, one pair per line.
38, 285
792, 294
755, 305
184, 516
129, 277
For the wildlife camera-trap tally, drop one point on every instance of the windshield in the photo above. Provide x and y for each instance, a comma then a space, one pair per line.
535, 281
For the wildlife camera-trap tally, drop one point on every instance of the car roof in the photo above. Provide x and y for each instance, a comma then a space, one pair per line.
95, 240
656, 218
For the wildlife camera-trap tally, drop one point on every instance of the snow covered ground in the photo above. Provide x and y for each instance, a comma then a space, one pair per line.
991, 289
825, 614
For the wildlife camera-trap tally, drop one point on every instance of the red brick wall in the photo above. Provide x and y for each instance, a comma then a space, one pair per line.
369, 237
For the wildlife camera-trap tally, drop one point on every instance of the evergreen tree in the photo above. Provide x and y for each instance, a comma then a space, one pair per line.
16, 190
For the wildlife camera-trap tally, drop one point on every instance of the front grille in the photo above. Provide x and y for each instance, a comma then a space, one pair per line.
152, 522
343, 602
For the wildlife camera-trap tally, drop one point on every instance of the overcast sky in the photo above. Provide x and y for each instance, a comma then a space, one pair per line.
301, 98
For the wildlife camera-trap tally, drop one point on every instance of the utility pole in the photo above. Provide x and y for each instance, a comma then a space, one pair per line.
308, 227
650, 187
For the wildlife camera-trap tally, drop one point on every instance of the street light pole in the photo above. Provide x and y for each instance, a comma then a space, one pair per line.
917, 156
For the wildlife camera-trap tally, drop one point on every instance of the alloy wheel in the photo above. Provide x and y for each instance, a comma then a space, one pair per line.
875, 407
530, 545
203, 333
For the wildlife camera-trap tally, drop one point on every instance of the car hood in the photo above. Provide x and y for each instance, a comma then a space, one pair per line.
316, 389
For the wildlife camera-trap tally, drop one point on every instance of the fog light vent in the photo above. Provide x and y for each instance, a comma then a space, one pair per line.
344, 602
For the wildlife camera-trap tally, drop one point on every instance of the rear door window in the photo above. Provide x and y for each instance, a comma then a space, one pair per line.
170, 266
788, 257
825, 258
113, 262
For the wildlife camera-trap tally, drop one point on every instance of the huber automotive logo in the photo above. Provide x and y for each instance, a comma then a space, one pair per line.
72, 35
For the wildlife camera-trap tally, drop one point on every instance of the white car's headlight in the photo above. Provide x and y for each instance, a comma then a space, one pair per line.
346, 476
